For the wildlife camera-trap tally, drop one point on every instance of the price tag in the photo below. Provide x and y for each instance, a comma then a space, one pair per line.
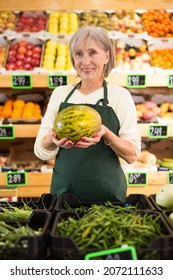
170, 81
136, 81
21, 81
15, 178
121, 253
158, 131
57, 80
137, 179
7, 132
170, 177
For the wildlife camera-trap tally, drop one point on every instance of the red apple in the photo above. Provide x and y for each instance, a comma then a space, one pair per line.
22, 43
37, 49
10, 66
148, 115
11, 58
14, 46
27, 59
29, 53
20, 56
30, 46
36, 55
35, 62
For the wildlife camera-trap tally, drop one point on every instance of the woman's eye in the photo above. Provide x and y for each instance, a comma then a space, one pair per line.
92, 52
78, 53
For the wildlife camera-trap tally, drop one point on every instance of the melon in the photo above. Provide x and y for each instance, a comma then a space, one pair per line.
164, 196
77, 121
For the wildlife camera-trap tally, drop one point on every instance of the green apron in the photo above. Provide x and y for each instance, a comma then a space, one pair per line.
94, 174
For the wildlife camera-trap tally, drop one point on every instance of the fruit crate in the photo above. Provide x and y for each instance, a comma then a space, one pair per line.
152, 198
47, 202
142, 202
31, 22
8, 21
64, 247
29, 247
24, 52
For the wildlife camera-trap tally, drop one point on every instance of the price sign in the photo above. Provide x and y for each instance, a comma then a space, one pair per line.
57, 80
170, 177
158, 131
7, 132
137, 179
136, 81
15, 179
21, 81
121, 253
170, 81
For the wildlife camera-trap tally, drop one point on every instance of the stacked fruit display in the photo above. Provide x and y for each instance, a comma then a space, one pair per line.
158, 23
19, 109
149, 109
23, 55
56, 56
7, 21
101, 19
162, 58
62, 23
126, 21
31, 22
132, 57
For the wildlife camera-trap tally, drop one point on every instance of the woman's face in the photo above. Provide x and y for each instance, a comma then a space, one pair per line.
89, 59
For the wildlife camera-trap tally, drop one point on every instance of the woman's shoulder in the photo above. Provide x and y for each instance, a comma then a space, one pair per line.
63, 89
117, 89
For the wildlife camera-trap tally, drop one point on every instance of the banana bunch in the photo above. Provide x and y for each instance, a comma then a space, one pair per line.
166, 162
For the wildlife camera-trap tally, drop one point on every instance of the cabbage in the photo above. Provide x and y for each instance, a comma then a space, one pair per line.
164, 196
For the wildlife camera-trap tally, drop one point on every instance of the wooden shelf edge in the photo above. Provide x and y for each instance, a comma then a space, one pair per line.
39, 183
41, 80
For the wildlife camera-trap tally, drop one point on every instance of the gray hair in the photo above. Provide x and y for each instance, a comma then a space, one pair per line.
98, 34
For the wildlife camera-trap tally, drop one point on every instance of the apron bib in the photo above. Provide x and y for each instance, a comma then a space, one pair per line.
93, 174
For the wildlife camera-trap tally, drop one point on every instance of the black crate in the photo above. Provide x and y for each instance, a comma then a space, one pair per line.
152, 198
166, 214
141, 201
64, 247
30, 247
47, 201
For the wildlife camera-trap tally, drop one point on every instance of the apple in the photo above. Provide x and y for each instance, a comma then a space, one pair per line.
10, 66
148, 114
35, 62
37, 49
30, 46
11, 59
20, 56
22, 50
29, 53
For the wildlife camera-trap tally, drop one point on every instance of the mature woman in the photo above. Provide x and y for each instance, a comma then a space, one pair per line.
90, 168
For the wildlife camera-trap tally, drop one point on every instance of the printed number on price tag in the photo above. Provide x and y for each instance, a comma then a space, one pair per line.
137, 178
21, 81
136, 81
7, 132
15, 179
170, 81
158, 131
57, 80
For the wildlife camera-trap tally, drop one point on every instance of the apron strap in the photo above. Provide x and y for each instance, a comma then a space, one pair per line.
71, 92
104, 100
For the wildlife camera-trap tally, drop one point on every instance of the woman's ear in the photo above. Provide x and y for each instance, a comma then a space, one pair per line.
107, 56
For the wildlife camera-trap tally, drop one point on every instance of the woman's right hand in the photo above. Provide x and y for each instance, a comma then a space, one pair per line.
63, 143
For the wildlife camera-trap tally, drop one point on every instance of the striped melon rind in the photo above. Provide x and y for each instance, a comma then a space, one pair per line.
77, 121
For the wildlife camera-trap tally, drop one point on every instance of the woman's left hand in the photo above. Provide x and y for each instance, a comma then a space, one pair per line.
86, 142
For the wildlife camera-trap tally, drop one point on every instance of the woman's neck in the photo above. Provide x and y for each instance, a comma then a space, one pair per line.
89, 87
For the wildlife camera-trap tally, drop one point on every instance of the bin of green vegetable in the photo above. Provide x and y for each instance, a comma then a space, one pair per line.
101, 227
25, 240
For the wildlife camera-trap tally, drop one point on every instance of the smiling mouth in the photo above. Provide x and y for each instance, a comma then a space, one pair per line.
87, 70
